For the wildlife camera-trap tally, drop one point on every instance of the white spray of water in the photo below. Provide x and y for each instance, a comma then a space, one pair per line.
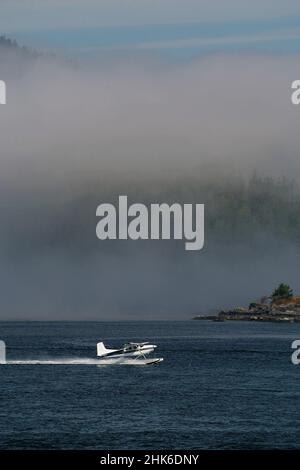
85, 361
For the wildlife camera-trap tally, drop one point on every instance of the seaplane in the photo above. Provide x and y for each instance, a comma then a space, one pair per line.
130, 353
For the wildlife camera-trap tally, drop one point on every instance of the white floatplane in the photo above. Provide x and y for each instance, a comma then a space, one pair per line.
130, 353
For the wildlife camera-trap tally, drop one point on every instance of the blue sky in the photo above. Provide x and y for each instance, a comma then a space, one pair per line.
179, 28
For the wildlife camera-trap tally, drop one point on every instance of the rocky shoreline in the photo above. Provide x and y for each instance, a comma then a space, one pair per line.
279, 312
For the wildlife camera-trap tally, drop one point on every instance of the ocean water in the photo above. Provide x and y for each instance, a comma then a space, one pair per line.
221, 386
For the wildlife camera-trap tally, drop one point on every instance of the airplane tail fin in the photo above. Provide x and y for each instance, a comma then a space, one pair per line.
101, 349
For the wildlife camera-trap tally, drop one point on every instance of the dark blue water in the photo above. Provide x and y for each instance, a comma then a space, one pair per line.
221, 386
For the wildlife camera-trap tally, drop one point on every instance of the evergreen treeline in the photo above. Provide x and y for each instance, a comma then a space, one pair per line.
257, 207
236, 209
12, 45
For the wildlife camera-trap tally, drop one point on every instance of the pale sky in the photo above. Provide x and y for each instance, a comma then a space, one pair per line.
37, 14
177, 27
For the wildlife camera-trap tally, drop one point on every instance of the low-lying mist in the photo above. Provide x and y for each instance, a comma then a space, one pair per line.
220, 130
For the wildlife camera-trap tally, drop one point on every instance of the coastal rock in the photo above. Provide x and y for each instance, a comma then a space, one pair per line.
287, 311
